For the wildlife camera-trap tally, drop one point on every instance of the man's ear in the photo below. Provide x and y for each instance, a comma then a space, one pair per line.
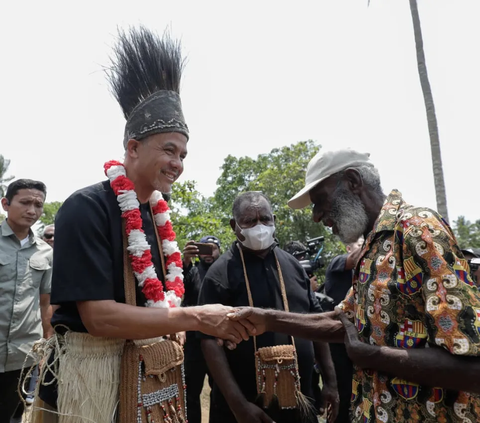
132, 148
232, 224
5, 204
354, 180
274, 218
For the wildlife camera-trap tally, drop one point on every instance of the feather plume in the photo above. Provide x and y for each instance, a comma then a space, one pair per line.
142, 64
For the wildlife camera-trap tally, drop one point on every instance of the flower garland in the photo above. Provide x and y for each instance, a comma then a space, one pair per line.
138, 247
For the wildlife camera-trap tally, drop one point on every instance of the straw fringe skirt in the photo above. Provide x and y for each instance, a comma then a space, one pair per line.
89, 372
88, 378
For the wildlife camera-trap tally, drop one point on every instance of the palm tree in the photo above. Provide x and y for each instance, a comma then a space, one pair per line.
440, 193
4, 163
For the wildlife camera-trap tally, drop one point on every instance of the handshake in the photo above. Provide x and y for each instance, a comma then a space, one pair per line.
237, 324
233, 325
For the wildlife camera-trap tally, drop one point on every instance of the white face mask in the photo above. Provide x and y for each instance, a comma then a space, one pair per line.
258, 238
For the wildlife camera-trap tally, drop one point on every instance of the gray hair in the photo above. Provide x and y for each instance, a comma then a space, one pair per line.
47, 227
370, 177
250, 196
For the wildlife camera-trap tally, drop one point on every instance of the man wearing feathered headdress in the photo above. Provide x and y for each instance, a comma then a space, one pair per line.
119, 227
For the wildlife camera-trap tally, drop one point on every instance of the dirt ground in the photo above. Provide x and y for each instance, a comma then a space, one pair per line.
205, 398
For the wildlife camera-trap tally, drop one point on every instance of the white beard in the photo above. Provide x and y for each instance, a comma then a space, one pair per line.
349, 215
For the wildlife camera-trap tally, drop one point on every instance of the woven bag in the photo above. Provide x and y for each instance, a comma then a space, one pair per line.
277, 375
152, 385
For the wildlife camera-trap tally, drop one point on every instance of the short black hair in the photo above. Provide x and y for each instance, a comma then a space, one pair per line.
247, 196
19, 184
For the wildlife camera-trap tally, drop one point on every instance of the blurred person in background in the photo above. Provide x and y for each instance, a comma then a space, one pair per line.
195, 365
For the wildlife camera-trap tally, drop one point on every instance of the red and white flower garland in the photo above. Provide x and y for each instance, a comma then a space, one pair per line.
138, 247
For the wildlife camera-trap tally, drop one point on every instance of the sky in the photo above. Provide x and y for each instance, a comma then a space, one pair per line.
259, 75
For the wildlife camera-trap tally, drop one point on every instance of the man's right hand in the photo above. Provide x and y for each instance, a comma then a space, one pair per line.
189, 252
250, 413
257, 317
214, 321
352, 259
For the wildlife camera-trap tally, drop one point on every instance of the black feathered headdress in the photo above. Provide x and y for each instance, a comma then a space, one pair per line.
145, 79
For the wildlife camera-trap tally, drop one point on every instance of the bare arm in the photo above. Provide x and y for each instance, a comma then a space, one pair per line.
220, 370
433, 366
117, 320
316, 327
352, 259
324, 360
46, 315
217, 363
426, 366
330, 399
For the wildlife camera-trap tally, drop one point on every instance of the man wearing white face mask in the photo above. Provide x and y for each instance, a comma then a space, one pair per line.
255, 272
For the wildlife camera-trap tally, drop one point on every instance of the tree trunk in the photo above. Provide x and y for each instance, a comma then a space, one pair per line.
440, 193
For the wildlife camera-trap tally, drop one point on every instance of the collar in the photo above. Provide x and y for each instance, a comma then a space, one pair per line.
389, 213
387, 219
7, 231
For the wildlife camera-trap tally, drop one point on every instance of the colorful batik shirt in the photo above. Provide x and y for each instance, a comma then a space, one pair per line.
412, 288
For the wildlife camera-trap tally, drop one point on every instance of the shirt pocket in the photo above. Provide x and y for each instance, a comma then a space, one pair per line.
7, 267
35, 270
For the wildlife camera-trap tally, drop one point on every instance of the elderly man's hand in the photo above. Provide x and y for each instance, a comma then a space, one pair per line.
356, 349
214, 320
256, 317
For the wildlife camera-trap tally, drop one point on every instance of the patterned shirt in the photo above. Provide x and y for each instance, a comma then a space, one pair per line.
411, 289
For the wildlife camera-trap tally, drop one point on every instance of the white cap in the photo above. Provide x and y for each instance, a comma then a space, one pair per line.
323, 165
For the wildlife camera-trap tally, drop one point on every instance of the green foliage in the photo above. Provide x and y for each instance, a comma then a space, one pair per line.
467, 233
4, 164
194, 216
279, 174
49, 212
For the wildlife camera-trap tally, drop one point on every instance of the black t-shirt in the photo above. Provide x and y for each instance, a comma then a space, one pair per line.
338, 280
88, 254
224, 283
193, 277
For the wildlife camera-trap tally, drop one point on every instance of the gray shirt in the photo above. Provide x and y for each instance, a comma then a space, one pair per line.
25, 273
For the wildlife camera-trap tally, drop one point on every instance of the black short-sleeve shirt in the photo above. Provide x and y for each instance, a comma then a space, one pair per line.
88, 254
224, 283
